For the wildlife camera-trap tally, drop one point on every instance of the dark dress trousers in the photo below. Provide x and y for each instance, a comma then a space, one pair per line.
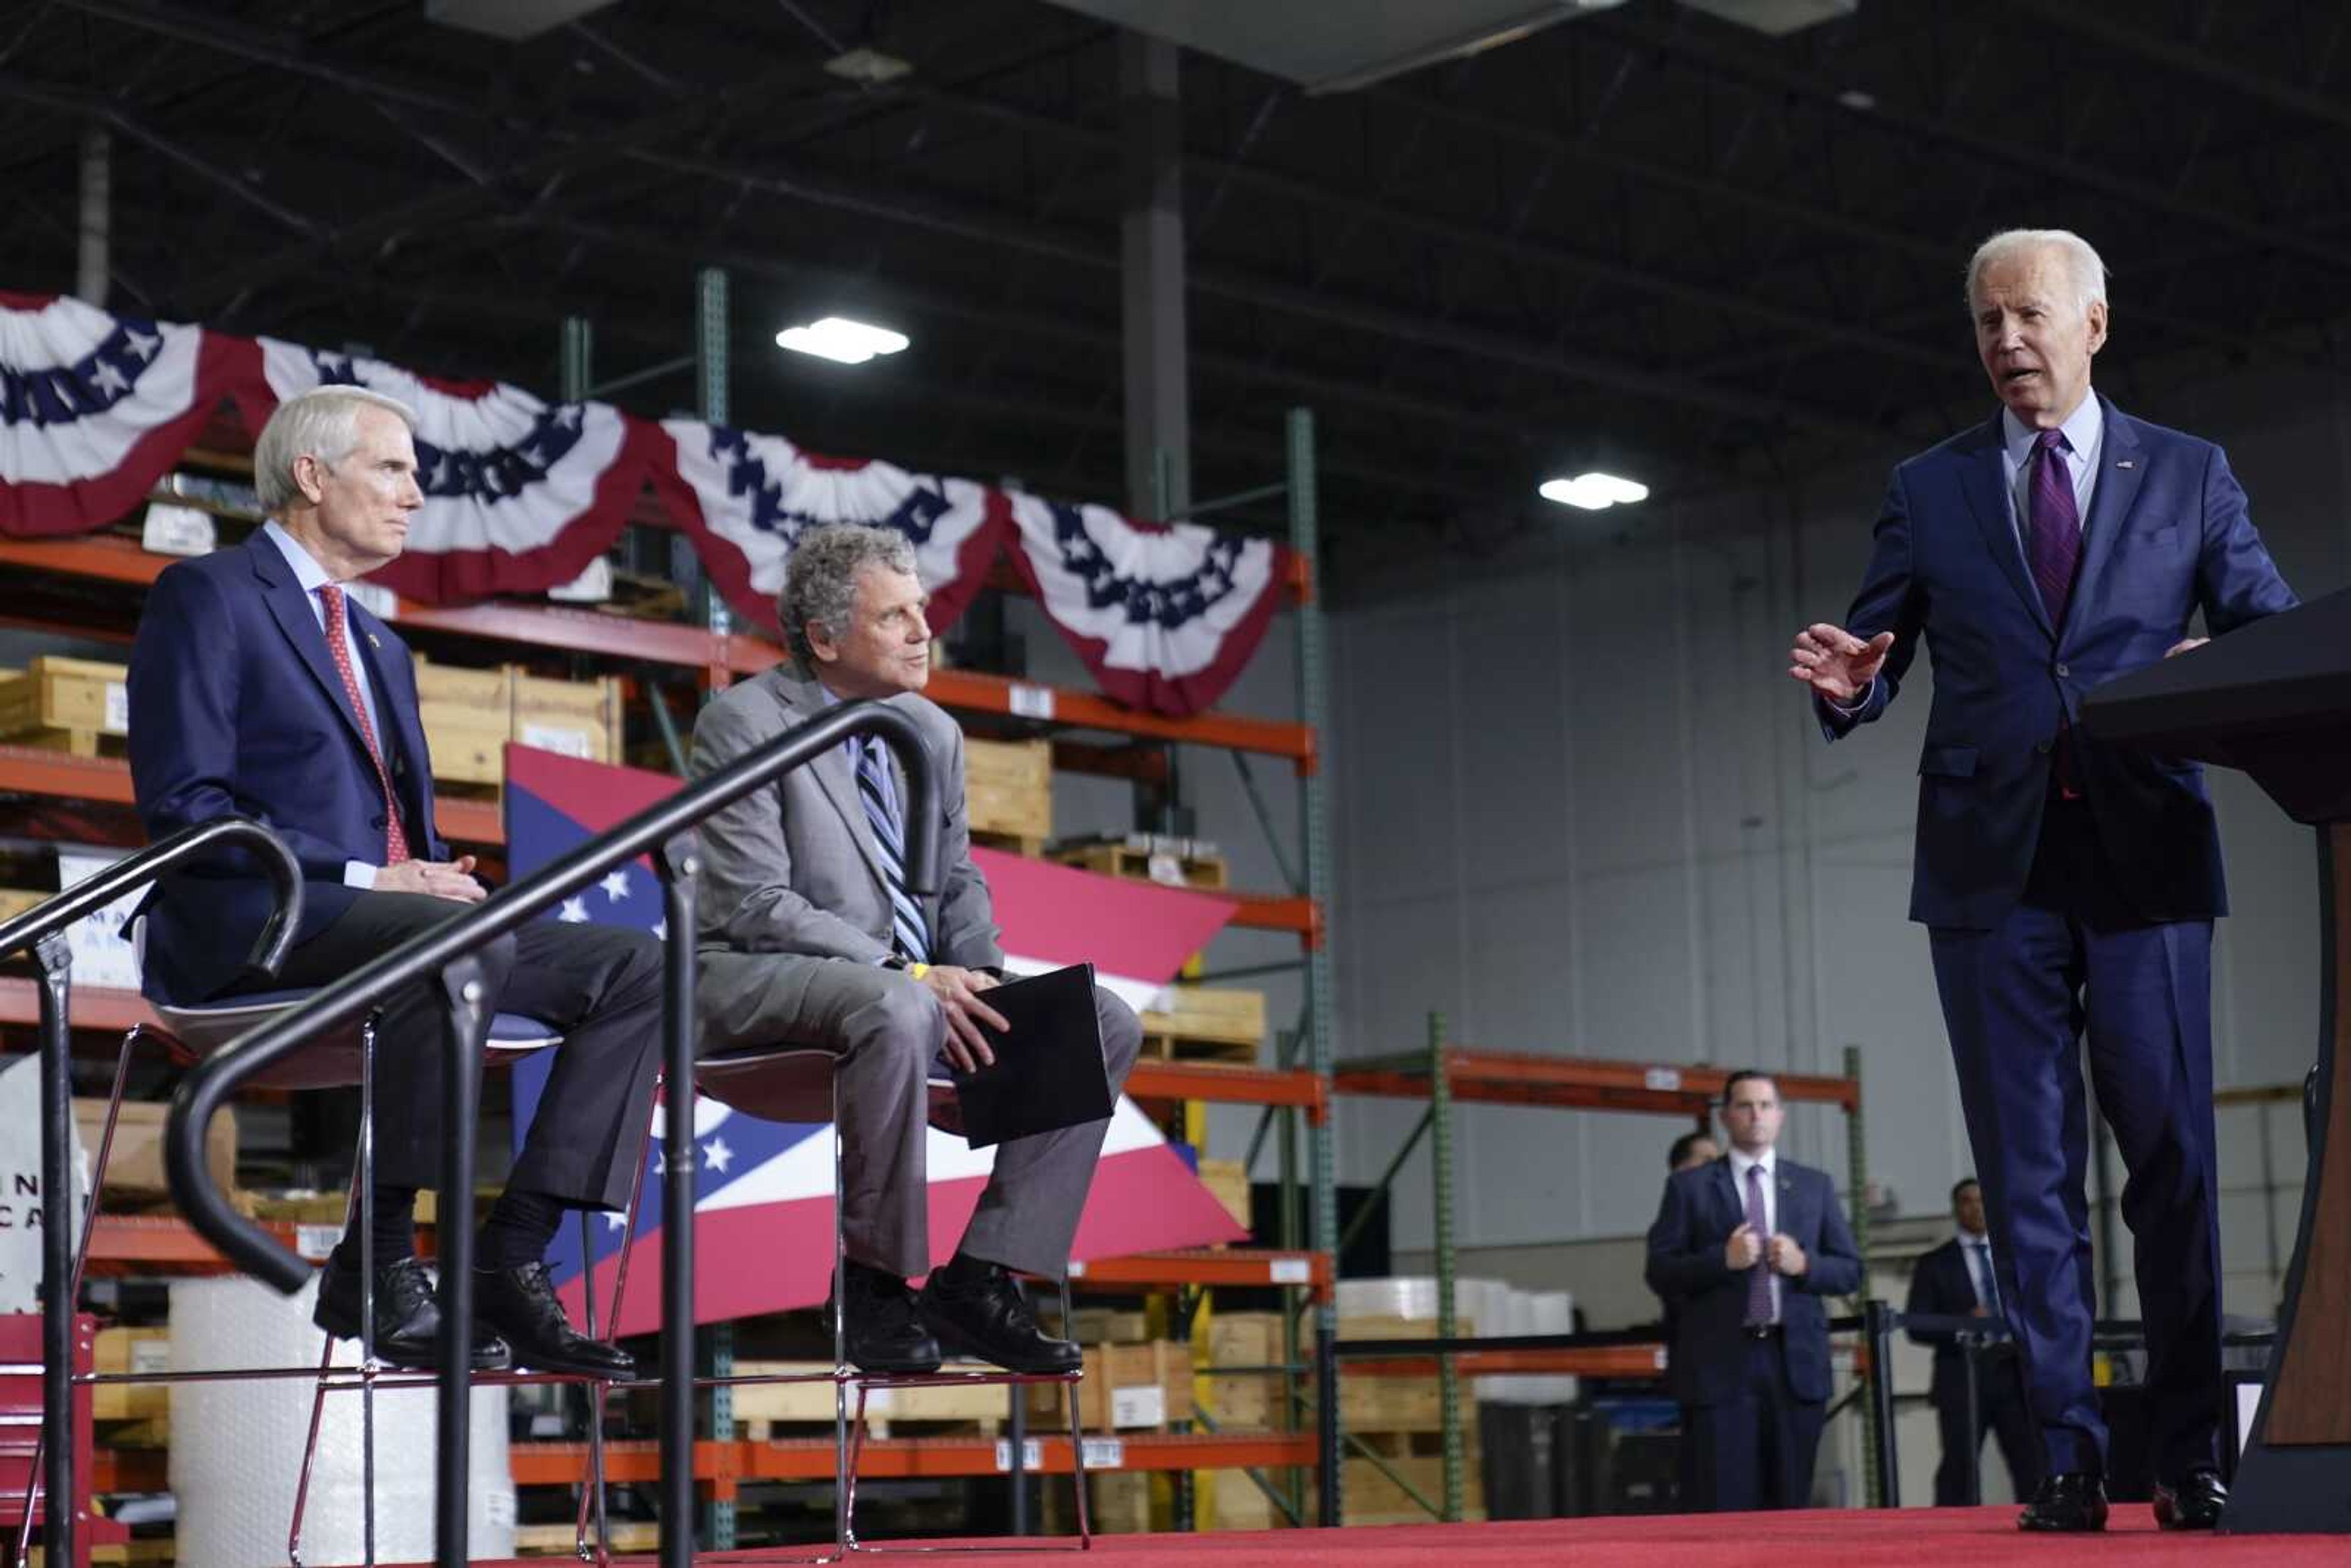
236, 708
1752, 1405
2052, 915
1940, 1284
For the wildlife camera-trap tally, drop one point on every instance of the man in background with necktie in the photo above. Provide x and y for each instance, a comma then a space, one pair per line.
260, 687
1957, 1280
1741, 1253
2064, 885
811, 938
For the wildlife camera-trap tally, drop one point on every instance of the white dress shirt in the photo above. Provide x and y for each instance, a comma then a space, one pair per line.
313, 576
1768, 1163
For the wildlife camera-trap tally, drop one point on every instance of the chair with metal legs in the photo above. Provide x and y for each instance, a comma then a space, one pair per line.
342, 1059
800, 1084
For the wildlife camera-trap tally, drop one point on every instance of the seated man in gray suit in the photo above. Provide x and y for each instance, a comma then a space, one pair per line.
808, 939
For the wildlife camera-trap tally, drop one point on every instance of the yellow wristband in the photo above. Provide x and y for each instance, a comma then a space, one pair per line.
918, 970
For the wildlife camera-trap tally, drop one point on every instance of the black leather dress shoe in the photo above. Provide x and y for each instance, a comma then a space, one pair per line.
2071, 1503
880, 1327
520, 1305
407, 1316
989, 1320
2196, 1503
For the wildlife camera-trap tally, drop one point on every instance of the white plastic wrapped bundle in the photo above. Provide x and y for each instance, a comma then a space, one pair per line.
236, 1451
1413, 1297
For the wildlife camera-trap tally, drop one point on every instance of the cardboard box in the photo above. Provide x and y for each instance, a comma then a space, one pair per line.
1230, 1180
1230, 1015
1008, 787
577, 718
66, 694
135, 1167
122, 1351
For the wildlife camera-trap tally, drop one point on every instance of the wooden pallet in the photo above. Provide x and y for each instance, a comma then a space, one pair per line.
558, 1539
1158, 1047
1125, 860
1010, 844
72, 742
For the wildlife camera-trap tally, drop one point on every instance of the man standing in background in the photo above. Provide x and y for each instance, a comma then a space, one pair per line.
2041, 554
1957, 1280
1741, 1252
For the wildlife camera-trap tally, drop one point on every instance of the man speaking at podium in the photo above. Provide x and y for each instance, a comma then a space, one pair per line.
2065, 885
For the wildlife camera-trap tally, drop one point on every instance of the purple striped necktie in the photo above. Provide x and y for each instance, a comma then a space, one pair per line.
1759, 1278
2053, 535
2053, 546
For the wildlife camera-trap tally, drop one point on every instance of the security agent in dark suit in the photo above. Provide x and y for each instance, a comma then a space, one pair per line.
258, 688
1743, 1250
1957, 1280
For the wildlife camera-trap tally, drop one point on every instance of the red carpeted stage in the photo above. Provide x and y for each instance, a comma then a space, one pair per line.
1906, 1538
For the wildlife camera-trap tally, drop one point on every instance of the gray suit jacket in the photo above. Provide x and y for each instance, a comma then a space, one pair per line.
793, 869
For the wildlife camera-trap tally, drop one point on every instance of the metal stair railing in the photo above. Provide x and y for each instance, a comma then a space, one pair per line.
446, 955
42, 930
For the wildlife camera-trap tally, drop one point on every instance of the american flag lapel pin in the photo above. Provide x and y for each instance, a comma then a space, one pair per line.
2125, 463
373, 643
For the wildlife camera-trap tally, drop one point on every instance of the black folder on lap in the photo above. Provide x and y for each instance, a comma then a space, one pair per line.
1047, 1073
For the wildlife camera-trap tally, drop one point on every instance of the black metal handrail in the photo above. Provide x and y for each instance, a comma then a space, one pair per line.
42, 930
444, 954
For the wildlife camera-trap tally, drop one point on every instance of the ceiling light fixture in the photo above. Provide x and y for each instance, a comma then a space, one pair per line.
1593, 492
839, 338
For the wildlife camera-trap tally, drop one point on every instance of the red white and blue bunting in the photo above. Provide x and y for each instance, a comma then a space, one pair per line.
745, 498
95, 408
519, 494
1164, 617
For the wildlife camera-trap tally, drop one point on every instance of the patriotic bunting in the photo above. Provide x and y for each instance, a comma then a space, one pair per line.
745, 498
95, 408
1164, 617
519, 494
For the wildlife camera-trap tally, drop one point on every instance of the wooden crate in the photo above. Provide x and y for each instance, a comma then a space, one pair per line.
1118, 1502
1246, 1339
15, 900
1374, 1499
468, 744
1127, 1387
1144, 863
578, 718
770, 1406
1008, 790
1230, 1180
1204, 1022
134, 1168
120, 1351
1228, 1499
489, 692
1100, 1326
67, 705
1250, 1401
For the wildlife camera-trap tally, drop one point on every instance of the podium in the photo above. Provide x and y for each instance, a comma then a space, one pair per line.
2274, 699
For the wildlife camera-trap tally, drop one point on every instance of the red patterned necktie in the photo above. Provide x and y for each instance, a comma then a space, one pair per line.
395, 837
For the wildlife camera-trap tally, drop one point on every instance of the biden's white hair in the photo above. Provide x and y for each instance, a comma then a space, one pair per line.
2082, 266
324, 424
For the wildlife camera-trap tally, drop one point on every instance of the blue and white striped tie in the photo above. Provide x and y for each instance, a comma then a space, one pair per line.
914, 934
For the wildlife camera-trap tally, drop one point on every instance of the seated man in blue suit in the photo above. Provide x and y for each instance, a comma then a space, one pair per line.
259, 688
1743, 1250
2063, 883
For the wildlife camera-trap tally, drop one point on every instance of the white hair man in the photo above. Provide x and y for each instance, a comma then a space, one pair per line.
809, 937
260, 689
2063, 885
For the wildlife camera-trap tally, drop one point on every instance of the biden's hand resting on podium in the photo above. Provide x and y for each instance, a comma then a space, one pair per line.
1836, 663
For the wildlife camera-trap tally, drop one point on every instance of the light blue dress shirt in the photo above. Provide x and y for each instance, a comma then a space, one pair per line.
314, 577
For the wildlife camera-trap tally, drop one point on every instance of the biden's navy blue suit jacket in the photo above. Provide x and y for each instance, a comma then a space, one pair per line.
2166, 535
236, 709
1700, 1208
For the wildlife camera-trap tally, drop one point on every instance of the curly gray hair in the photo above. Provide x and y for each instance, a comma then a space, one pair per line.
324, 424
820, 581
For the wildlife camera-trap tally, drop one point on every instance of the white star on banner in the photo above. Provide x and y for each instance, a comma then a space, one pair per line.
717, 1156
661, 930
615, 885
142, 344
106, 379
330, 362
614, 1220
568, 416
443, 473
575, 910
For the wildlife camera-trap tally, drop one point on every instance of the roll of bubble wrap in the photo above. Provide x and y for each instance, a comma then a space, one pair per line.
237, 1448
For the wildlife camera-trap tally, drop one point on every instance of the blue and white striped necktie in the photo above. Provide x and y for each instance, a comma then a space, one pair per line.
912, 931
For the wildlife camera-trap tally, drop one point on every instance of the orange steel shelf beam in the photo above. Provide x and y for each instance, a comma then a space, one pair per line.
29, 771
1202, 1266
94, 1007
1504, 1078
1596, 1361
811, 1459
1224, 1084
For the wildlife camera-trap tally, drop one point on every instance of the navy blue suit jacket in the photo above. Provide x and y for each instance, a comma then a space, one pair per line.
1940, 1284
236, 709
1700, 1208
2166, 535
